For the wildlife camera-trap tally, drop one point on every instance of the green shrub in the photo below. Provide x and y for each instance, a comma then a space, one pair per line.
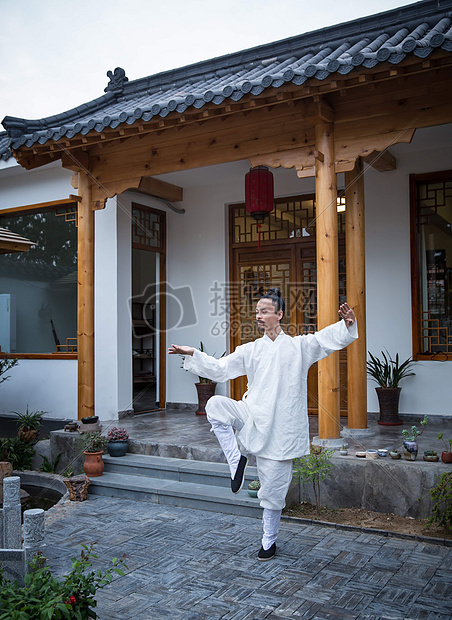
441, 494
6, 365
314, 467
44, 597
19, 453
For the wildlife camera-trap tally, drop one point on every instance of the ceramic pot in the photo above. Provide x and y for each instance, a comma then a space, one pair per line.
433, 458
117, 447
395, 455
410, 449
446, 457
93, 465
205, 391
388, 399
90, 419
252, 492
343, 452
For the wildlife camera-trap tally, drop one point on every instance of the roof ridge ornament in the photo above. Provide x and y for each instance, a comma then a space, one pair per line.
117, 80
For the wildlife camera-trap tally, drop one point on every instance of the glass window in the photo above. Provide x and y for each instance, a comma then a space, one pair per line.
433, 277
38, 288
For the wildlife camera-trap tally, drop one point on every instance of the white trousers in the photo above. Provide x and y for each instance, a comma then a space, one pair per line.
225, 415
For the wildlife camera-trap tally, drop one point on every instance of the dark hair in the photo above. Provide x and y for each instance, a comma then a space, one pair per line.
277, 299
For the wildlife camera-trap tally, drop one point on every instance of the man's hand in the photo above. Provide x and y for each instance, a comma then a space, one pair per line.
346, 313
177, 350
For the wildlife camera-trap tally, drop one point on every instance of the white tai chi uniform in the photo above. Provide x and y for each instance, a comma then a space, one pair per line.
271, 420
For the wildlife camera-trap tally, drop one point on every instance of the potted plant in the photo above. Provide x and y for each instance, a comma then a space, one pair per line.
388, 373
30, 423
253, 488
205, 388
446, 456
94, 445
410, 446
118, 441
344, 450
431, 455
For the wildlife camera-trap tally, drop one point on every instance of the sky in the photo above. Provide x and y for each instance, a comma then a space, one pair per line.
55, 54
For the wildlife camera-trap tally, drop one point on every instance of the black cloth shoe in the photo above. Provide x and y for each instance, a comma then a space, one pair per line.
239, 478
263, 555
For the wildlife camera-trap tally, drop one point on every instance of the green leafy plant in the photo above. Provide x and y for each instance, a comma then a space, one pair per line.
45, 597
448, 447
388, 372
93, 441
5, 366
441, 495
19, 453
314, 468
30, 421
68, 472
49, 466
254, 485
413, 434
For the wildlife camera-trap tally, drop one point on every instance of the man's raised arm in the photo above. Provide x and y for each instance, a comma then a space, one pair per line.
175, 349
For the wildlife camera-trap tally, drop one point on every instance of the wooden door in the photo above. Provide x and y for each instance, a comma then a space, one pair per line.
290, 266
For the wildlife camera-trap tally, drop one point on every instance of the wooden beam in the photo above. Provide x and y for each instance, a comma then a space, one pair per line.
85, 300
327, 278
41, 206
356, 295
382, 161
161, 189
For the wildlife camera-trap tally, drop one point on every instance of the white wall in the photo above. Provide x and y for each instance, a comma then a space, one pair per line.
389, 320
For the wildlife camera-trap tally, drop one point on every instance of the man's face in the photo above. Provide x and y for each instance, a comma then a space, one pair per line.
266, 315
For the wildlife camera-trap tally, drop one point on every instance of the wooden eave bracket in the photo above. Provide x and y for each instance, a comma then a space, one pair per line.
367, 147
100, 192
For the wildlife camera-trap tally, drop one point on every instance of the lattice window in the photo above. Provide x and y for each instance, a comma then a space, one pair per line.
147, 227
433, 220
255, 280
290, 219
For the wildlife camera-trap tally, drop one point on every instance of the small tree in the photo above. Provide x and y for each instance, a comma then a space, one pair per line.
314, 467
441, 494
6, 365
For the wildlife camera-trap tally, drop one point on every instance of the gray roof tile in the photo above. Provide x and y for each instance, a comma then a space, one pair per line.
416, 29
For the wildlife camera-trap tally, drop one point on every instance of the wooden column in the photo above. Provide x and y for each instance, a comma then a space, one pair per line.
327, 276
356, 295
85, 317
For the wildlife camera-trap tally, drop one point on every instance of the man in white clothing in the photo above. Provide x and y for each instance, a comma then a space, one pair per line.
271, 420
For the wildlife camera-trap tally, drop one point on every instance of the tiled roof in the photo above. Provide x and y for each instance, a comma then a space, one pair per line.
12, 242
417, 29
5, 150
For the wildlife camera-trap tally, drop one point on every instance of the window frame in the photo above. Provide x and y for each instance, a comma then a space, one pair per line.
414, 179
43, 207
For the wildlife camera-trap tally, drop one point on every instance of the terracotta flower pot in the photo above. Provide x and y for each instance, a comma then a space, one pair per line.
446, 457
93, 465
205, 391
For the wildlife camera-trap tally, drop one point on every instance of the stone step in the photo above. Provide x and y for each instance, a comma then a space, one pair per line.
175, 493
175, 482
182, 470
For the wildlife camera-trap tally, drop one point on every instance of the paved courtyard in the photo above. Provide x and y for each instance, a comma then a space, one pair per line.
192, 565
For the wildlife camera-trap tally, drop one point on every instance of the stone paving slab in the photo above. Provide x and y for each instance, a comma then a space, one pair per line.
187, 564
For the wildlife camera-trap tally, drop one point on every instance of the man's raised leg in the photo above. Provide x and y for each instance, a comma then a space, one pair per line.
224, 415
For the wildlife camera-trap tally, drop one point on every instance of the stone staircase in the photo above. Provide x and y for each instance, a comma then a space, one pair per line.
175, 482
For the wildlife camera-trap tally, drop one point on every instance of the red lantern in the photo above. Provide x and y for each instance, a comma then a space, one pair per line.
259, 196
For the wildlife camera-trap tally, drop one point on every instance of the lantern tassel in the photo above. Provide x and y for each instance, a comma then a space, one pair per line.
259, 237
